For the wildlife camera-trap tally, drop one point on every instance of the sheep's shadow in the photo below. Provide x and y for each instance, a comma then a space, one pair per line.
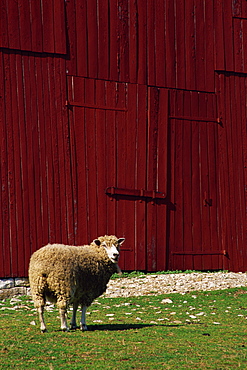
122, 327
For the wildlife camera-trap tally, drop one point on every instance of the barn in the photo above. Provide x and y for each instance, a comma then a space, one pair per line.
124, 117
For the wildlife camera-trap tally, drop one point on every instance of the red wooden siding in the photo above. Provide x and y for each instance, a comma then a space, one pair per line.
35, 198
233, 170
37, 26
124, 117
194, 239
146, 42
116, 165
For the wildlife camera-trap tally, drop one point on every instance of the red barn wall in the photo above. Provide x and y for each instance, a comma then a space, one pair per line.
124, 117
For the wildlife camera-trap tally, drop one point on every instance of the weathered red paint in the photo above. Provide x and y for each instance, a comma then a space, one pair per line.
147, 97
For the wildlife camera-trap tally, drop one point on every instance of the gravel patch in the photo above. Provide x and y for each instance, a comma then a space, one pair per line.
175, 283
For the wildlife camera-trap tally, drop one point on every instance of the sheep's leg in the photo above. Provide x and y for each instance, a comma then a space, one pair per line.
41, 318
63, 312
73, 320
83, 325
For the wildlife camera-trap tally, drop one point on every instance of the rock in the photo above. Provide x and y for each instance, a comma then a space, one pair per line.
21, 282
7, 283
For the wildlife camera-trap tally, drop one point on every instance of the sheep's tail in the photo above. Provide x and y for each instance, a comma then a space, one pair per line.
38, 288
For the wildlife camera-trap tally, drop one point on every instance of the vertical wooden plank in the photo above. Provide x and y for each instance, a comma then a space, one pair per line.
130, 171
122, 205
219, 35
2, 150
151, 49
123, 37
25, 25
238, 181
32, 151
92, 33
114, 50
205, 261
49, 173
160, 56
15, 186
231, 186
228, 35
133, 41
209, 46
187, 170
101, 163
79, 45
170, 43
161, 207
111, 156
72, 28
79, 165
215, 232
48, 26
4, 37
71, 163
238, 45
243, 90
6, 239
91, 167
142, 43
197, 202
237, 8
224, 205
59, 121
24, 242
59, 27
170, 181
42, 209
180, 44
103, 39
200, 45
13, 25
11, 186
35, 159
52, 66
68, 163
178, 183
190, 46
244, 45
37, 27
140, 176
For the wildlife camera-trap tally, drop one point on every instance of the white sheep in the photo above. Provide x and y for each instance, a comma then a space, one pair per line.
72, 275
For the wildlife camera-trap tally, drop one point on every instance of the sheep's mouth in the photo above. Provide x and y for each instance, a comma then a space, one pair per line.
115, 259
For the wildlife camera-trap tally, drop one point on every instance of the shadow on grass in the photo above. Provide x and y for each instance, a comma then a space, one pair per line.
121, 327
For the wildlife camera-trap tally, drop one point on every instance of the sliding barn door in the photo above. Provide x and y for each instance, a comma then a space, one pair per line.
193, 165
119, 167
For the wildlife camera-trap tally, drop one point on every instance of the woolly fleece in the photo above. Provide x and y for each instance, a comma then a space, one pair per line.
65, 274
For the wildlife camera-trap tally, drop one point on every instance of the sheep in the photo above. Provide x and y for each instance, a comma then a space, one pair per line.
75, 275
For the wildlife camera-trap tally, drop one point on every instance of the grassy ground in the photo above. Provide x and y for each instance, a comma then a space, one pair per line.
200, 330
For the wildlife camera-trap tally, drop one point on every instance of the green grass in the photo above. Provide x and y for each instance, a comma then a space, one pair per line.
141, 274
200, 330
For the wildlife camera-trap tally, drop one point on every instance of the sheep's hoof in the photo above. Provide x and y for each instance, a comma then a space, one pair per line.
83, 327
65, 329
43, 330
74, 327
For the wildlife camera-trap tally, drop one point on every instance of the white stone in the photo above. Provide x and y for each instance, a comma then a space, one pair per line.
21, 282
7, 283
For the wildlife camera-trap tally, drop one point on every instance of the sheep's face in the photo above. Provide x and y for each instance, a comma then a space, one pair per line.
111, 246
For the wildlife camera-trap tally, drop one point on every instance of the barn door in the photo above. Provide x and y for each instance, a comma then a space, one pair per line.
193, 222
119, 167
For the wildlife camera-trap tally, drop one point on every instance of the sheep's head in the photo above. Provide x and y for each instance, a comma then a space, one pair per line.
112, 246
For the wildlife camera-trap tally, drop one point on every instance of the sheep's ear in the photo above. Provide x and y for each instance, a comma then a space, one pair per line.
121, 240
97, 242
